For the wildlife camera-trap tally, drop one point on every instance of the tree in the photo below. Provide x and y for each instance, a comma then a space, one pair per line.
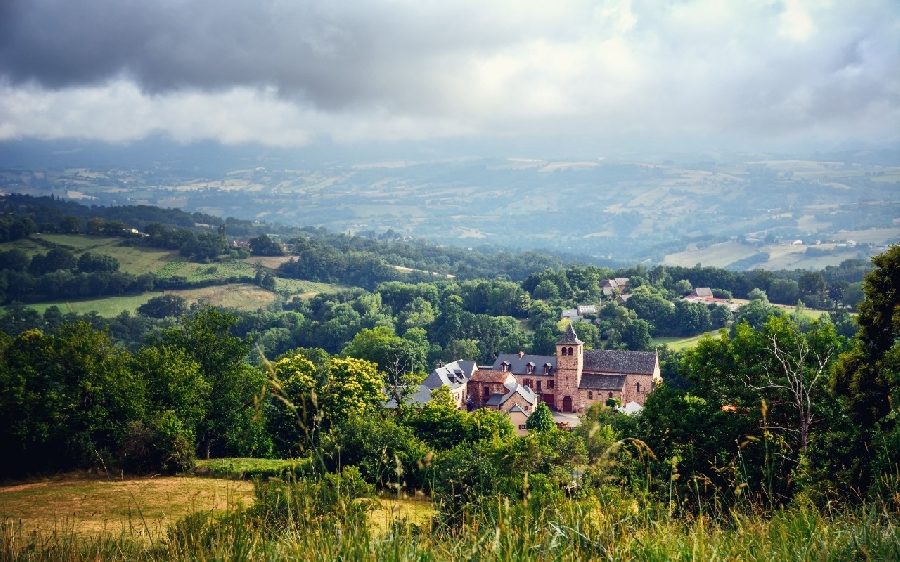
400, 360
869, 375
206, 338
70, 224
293, 416
262, 245
353, 387
541, 419
802, 364
163, 306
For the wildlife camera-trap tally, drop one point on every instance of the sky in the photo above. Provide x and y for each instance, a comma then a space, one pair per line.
291, 73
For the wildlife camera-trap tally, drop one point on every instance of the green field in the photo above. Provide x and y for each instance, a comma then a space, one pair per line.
678, 344
108, 307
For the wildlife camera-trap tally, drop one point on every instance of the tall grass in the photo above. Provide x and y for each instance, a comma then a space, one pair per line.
323, 518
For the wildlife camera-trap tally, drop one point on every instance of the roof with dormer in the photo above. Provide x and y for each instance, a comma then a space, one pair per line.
519, 365
570, 338
454, 375
614, 361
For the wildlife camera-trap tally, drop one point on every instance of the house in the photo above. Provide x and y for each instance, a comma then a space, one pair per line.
576, 378
519, 418
575, 314
499, 390
611, 287
704, 295
454, 376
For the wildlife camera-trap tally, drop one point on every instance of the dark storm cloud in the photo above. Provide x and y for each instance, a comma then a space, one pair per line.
331, 53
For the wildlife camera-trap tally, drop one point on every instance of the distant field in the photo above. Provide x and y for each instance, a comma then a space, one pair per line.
108, 307
132, 259
781, 256
305, 289
242, 296
717, 255
678, 344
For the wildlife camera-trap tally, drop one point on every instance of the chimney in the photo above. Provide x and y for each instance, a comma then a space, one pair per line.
521, 354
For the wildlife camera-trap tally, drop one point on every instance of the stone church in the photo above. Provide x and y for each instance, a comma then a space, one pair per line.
572, 380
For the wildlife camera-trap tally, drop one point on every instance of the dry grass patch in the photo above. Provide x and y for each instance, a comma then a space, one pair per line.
417, 510
242, 296
271, 262
140, 506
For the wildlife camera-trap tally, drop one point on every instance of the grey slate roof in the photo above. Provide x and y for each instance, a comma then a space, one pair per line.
495, 400
602, 382
517, 365
570, 337
617, 361
454, 375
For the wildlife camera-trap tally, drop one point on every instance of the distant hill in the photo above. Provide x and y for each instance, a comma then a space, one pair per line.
655, 209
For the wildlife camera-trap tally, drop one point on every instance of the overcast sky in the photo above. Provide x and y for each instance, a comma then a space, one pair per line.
289, 72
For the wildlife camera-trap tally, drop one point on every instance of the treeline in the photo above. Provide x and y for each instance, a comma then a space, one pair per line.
59, 274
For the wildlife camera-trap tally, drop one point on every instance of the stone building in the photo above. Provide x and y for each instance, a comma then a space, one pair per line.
576, 378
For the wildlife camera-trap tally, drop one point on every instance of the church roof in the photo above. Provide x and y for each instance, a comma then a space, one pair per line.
618, 361
570, 337
602, 382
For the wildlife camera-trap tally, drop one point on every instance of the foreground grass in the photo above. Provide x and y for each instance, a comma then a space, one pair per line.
605, 527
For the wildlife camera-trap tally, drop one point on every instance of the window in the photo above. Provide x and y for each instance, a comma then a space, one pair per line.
487, 392
550, 384
527, 382
547, 368
538, 385
522, 427
504, 366
590, 394
610, 394
638, 387
529, 368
